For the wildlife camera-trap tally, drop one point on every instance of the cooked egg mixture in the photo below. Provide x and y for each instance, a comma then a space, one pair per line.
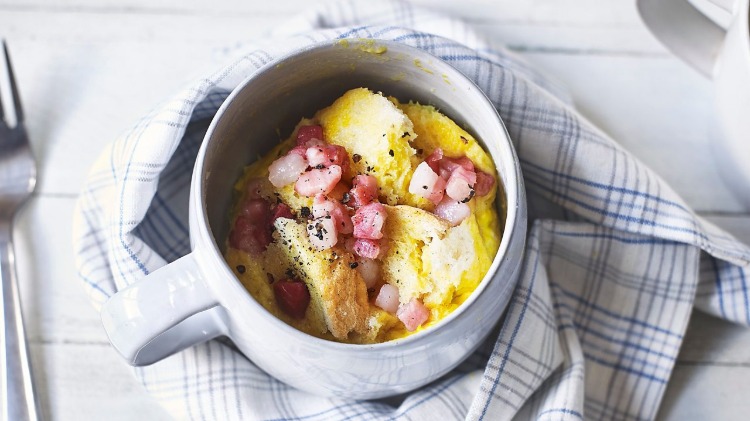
422, 255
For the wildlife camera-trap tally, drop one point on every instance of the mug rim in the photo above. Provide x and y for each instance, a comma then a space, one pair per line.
513, 204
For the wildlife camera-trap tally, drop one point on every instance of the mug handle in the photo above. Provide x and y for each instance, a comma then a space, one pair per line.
685, 31
169, 310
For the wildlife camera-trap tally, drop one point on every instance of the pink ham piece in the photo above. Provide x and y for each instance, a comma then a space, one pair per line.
413, 314
248, 236
317, 181
426, 183
460, 185
369, 221
387, 298
327, 155
364, 248
307, 133
364, 191
433, 160
484, 184
322, 233
452, 211
256, 210
451, 164
286, 169
281, 210
322, 207
292, 296
369, 269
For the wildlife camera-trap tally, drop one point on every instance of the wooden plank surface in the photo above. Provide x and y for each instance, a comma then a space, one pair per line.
89, 69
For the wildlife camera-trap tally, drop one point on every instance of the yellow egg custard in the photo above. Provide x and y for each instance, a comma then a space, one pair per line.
373, 221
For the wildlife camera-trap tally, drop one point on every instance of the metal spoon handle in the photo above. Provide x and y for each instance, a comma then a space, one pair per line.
19, 401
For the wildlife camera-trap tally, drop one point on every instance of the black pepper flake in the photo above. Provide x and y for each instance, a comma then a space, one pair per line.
310, 227
241, 269
466, 141
345, 198
383, 134
353, 265
319, 167
305, 211
390, 152
406, 134
327, 217
289, 272
356, 157
471, 194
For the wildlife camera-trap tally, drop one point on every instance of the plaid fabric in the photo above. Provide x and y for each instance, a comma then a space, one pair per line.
595, 324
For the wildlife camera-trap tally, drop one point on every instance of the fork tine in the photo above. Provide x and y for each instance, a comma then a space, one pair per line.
2, 115
13, 87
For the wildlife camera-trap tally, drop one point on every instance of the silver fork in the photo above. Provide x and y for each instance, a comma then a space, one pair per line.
17, 181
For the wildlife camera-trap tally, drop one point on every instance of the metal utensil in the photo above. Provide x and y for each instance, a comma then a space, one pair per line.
17, 181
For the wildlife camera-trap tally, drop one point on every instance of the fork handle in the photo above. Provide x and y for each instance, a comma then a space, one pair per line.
19, 400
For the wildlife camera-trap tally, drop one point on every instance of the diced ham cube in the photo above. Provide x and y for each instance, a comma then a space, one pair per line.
322, 233
451, 164
326, 155
281, 210
426, 183
364, 191
460, 185
256, 210
484, 184
292, 297
322, 207
369, 269
365, 248
317, 181
413, 314
433, 160
300, 150
452, 211
307, 133
387, 298
369, 221
286, 169
248, 236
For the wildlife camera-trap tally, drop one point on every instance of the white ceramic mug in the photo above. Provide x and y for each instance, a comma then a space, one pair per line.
197, 297
722, 55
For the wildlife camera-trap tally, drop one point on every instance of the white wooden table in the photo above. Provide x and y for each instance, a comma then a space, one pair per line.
88, 70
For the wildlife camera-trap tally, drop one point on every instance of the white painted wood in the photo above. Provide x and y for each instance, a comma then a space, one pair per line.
707, 392
89, 69
79, 382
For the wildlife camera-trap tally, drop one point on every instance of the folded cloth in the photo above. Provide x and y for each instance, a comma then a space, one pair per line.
595, 324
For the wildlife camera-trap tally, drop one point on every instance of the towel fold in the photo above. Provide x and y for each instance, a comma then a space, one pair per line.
596, 322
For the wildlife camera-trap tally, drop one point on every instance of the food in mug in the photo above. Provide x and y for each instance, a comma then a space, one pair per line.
374, 220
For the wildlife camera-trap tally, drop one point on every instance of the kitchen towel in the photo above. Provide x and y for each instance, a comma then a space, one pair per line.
607, 287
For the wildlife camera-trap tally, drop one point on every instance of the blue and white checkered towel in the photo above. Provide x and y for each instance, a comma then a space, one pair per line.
595, 325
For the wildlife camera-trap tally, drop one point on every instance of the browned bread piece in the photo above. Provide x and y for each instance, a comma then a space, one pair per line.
338, 294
